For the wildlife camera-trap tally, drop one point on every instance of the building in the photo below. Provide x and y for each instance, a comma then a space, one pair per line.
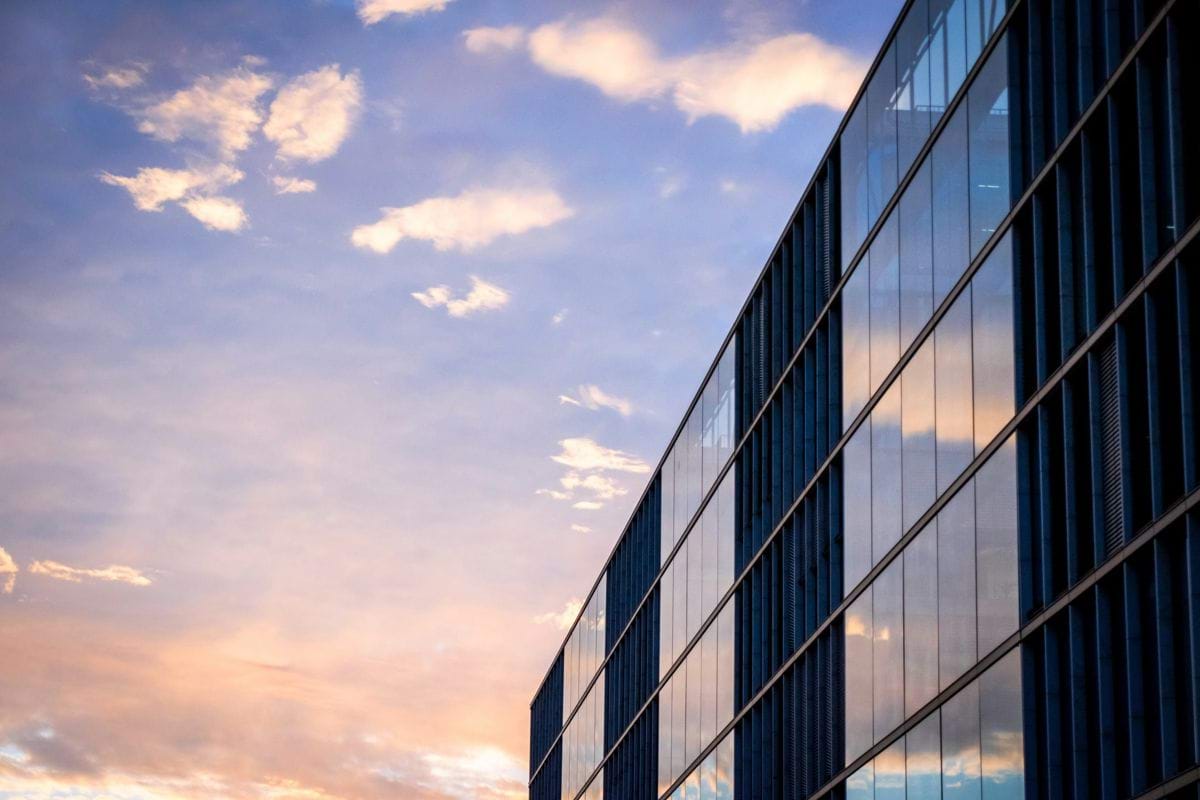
931, 527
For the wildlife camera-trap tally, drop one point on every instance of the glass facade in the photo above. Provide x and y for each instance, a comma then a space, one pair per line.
713, 779
583, 743
584, 651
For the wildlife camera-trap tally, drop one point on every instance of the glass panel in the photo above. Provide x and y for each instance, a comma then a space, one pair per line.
680, 598
708, 433
881, 136
725, 506
948, 20
725, 769
726, 377
923, 754
666, 591
708, 686
695, 569
691, 789
667, 532
983, 17
920, 620
960, 745
679, 724
951, 225
912, 93
681, 484
856, 344
861, 785
956, 586
694, 696
889, 773
665, 718
708, 777
919, 476
885, 302
725, 644
853, 149
987, 103
859, 734
708, 528
695, 467
1001, 732
955, 418
856, 469
886, 494
888, 655
992, 343
996, 540
916, 256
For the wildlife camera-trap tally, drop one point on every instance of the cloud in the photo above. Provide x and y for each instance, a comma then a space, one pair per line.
581, 528
289, 185
115, 573
483, 296
222, 110
755, 84
601, 485
373, 11
8, 571
217, 213
594, 398
562, 619
152, 187
466, 221
484, 40
584, 454
587, 505
123, 77
559, 316
554, 493
312, 115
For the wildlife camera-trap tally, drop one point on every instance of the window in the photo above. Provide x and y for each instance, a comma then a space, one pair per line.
992, 342
923, 759
996, 543
960, 745
918, 431
987, 102
956, 586
951, 225
886, 489
954, 403
859, 686
920, 620
913, 82
853, 149
881, 136
916, 256
856, 344
856, 534
889, 773
887, 627
861, 785
884, 262
1001, 731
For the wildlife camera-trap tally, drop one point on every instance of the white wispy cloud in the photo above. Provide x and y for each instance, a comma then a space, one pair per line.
465, 221
580, 528
602, 486
755, 83
584, 454
587, 505
153, 187
221, 110
126, 76
483, 296
8, 572
485, 40
373, 11
594, 398
561, 619
115, 573
554, 494
313, 114
285, 184
217, 213
559, 316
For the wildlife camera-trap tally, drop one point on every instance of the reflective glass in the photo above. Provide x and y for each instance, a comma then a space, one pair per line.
888, 652
889, 773
953, 380
856, 478
920, 620
708, 684
1002, 735
694, 698
956, 586
667, 532
695, 462
708, 777
948, 19
666, 592
951, 204
708, 433
885, 302
992, 343
983, 17
861, 785
695, 569
919, 476
923, 758
859, 693
680, 636
725, 645
886, 490
712, 556
691, 787
960, 745
913, 88
679, 723
996, 543
881, 136
681, 484
665, 718
987, 102
853, 149
916, 256
725, 506
856, 343
725, 769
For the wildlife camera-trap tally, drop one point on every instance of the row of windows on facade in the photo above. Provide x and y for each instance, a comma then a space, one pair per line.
712, 779
937, 43
971, 748
952, 398
697, 702
949, 599
584, 651
946, 214
695, 459
583, 742
698, 577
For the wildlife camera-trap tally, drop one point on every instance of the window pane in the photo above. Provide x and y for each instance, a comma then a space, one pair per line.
708, 777
1001, 732
691, 789
885, 302
916, 256
923, 753
912, 94
727, 381
708, 434
856, 343
695, 468
919, 476
992, 343
888, 652
949, 20
956, 586
725, 506
667, 533
953, 379
988, 113
983, 17
861, 785
694, 697
960, 745
881, 136
681, 484
712, 556
666, 590
996, 540
889, 773
679, 723
725, 769
920, 620
725, 644
859, 734
856, 471
886, 494
695, 568
708, 686
664, 739
853, 149
951, 225
680, 598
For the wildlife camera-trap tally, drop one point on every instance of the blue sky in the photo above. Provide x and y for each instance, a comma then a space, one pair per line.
338, 342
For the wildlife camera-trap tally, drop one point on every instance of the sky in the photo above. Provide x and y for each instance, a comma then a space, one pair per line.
338, 341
